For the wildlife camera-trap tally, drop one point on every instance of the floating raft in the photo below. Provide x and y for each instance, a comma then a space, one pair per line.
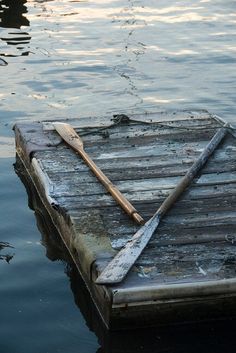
188, 270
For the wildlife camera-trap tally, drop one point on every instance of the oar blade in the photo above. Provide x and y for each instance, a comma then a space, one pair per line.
69, 135
118, 268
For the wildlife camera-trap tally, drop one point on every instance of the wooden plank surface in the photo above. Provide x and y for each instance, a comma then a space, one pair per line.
195, 242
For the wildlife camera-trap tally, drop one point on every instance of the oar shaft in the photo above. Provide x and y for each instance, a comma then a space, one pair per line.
117, 195
192, 172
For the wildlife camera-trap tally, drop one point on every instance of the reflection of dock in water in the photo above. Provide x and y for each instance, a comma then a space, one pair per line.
12, 17
213, 336
11, 13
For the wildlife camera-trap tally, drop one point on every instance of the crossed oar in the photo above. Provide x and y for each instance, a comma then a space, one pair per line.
118, 268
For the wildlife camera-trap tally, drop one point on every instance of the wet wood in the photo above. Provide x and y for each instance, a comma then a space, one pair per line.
193, 249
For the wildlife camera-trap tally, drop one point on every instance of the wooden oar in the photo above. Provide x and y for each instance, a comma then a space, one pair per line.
118, 268
70, 136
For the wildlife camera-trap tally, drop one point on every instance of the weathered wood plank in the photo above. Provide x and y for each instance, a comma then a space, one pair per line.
124, 134
146, 201
66, 157
150, 172
174, 229
179, 236
160, 117
190, 252
70, 184
184, 263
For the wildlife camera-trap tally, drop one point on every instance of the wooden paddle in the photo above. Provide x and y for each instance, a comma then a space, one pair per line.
118, 268
70, 136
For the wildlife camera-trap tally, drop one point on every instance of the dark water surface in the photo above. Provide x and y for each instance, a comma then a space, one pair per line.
62, 59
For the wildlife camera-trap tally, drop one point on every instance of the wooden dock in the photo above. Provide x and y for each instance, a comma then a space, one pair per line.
188, 270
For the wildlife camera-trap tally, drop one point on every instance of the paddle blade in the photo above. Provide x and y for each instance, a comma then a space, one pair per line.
69, 135
118, 268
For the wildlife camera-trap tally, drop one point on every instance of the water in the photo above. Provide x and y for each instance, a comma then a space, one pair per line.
63, 59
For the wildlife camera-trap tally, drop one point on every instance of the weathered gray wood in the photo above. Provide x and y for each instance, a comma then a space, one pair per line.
177, 222
70, 136
161, 117
186, 155
141, 172
68, 182
118, 268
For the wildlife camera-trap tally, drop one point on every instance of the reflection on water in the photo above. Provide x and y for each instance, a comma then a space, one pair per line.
123, 56
5, 255
11, 13
211, 337
12, 16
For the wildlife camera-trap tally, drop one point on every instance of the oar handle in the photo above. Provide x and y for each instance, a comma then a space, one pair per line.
192, 172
